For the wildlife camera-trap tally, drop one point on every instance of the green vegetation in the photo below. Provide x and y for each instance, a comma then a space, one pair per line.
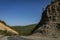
24, 30
5, 33
3, 22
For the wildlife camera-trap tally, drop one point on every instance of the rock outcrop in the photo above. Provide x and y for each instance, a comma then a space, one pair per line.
50, 21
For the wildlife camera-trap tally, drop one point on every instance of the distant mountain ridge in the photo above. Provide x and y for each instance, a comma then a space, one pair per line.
16, 30
24, 30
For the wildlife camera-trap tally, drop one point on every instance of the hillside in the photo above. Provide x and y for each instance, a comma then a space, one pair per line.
5, 29
24, 30
13, 30
50, 20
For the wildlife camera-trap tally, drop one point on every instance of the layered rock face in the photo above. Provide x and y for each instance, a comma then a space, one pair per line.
50, 21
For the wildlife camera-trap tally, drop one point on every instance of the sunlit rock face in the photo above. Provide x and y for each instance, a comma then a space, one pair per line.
4, 27
50, 20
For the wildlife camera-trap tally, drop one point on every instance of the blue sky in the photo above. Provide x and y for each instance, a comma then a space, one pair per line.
22, 12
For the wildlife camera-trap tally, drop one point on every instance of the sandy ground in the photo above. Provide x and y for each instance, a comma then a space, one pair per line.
13, 38
26, 38
40, 38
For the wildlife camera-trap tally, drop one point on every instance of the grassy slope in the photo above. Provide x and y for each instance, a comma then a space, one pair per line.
24, 30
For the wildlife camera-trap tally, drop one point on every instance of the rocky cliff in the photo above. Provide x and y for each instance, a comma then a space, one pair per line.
50, 21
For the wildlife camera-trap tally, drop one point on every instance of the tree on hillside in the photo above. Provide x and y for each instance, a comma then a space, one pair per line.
3, 22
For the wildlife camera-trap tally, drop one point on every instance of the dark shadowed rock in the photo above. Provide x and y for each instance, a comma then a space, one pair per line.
49, 24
